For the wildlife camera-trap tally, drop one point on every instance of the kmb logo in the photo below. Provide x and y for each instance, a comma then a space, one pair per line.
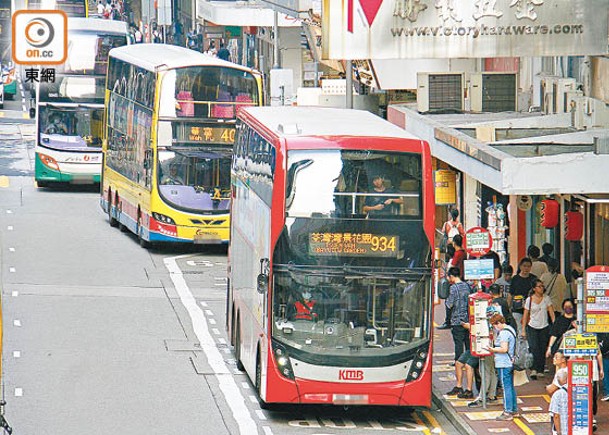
350, 375
40, 37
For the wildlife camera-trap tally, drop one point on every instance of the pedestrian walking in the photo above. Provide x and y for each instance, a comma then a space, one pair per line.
563, 323
547, 249
505, 280
560, 364
503, 350
520, 287
450, 252
556, 285
538, 314
538, 267
460, 255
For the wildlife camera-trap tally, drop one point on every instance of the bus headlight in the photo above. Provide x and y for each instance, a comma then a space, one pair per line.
283, 360
162, 218
418, 362
49, 161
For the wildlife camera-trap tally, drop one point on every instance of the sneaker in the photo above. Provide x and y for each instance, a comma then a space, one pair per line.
475, 404
516, 414
534, 374
606, 398
455, 391
505, 416
444, 326
491, 399
467, 394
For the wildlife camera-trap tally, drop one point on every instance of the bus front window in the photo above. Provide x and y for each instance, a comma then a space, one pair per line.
75, 129
195, 180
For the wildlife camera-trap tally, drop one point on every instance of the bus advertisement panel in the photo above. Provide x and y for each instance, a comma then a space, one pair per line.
70, 109
169, 141
330, 265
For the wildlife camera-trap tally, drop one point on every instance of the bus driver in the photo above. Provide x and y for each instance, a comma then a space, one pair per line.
57, 126
381, 204
305, 307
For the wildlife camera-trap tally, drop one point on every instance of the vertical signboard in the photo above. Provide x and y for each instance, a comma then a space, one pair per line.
479, 332
445, 187
596, 287
580, 396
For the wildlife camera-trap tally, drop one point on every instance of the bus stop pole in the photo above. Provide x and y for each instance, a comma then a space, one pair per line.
276, 63
580, 305
483, 380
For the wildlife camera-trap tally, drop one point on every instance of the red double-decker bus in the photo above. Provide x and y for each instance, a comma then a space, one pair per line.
330, 264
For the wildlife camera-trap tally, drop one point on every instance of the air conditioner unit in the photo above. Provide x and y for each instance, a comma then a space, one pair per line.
589, 113
440, 91
554, 90
494, 92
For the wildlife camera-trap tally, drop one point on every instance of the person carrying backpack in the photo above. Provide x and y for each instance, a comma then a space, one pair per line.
503, 350
450, 229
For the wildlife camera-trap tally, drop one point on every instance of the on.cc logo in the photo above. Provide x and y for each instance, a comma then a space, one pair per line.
39, 32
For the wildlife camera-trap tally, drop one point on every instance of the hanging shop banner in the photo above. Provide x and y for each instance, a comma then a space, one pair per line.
446, 187
401, 29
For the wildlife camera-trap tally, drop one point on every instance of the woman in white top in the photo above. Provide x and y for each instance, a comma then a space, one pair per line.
536, 325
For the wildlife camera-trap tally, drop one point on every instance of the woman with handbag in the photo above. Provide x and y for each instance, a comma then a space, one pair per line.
556, 285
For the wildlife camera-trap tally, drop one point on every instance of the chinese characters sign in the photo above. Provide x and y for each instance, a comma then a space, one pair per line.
400, 29
478, 241
580, 393
597, 299
204, 134
580, 345
353, 244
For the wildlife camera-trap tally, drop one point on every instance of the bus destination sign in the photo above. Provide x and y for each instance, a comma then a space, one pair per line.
353, 244
200, 134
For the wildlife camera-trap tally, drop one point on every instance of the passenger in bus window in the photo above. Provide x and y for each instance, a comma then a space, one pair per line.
381, 204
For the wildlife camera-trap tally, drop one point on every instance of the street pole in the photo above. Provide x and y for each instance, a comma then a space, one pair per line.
349, 84
276, 63
580, 305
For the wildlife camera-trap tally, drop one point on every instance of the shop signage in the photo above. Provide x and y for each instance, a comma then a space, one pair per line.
445, 187
580, 393
400, 29
580, 344
478, 241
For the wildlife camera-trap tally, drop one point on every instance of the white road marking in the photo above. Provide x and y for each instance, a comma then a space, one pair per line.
219, 284
212, 321
227, 350
12, 269
253, 399
267, 430
18, 392
227, 384
16, 354
10, 228
220, 278
245, 385
15, 293
260, 414
209, 312
221, 341
203, 303
11, 249
9, 212
17, 323
215, 331
195, 263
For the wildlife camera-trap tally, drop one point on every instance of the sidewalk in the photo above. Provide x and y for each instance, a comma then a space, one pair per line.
533, 401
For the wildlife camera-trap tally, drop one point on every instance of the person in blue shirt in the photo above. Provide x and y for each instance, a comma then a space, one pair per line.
503, 349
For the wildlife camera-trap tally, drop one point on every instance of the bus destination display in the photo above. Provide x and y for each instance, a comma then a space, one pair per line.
200, 134
353, 244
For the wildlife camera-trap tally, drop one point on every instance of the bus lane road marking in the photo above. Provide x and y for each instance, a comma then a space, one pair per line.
226, 381
4, 181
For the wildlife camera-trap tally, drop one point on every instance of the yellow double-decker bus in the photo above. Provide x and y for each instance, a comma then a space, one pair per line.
170, 128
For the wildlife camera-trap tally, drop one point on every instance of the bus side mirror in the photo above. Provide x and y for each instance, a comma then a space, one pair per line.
262, 283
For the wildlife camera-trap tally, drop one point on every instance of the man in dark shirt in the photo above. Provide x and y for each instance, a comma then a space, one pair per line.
223, 53
458, 302
381, 204
520, 287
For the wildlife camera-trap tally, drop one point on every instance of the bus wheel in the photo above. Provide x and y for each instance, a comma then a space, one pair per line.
240, 366
143, 242
262, 403
113, 222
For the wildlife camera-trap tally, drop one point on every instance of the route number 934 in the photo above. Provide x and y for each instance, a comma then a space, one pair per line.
382, 244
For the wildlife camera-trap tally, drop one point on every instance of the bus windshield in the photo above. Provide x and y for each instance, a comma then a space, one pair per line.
73, 128
351, 269
73, 89
195, 179
88, 52
206, 92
